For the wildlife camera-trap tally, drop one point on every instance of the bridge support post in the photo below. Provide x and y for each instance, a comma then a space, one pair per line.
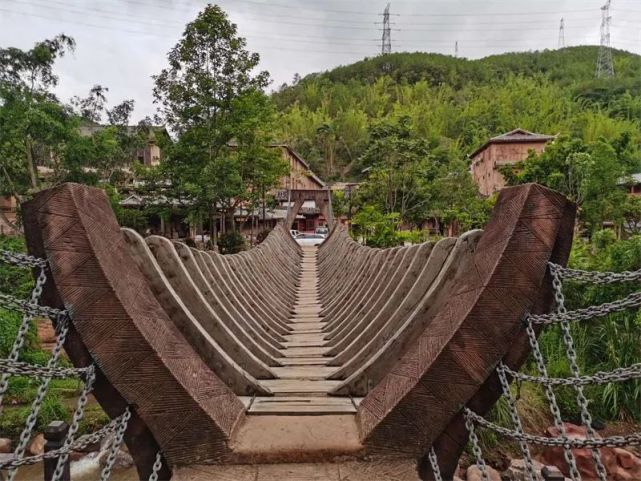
55, 434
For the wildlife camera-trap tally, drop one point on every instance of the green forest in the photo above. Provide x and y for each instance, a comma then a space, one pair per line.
405, 124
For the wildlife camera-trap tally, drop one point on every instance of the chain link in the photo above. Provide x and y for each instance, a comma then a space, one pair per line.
476, 446
158, 464
436, 470
594, 277
63, 328
586, 417
631, 301
115, 445
567, 443
516, 420
29, 307
619, 374
22, 260
78, 445
75, 422
551, 398
18, 343
17, 368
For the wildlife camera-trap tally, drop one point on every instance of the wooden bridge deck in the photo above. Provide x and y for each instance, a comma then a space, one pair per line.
302, 386
262, 354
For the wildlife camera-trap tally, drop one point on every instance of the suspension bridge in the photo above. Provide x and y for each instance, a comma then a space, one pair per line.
334, 363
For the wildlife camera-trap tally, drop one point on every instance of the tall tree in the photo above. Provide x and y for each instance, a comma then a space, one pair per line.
211, 98
35, 127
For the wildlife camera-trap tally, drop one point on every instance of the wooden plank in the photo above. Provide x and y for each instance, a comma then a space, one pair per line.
292, 386
303, 343
304, 351
302, 405
300, 328
303, 372
303, 361
297, 337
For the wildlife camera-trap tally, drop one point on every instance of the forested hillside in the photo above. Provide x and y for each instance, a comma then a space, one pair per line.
407, 122
457, 103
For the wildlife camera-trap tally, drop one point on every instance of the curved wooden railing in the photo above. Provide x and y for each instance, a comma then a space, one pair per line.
412, 334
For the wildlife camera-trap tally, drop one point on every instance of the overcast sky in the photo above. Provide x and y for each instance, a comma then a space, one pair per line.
121, 43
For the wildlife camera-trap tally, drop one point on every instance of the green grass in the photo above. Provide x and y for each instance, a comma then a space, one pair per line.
14, 418
59, 403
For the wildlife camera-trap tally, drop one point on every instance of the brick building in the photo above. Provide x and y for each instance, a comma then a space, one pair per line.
507, 149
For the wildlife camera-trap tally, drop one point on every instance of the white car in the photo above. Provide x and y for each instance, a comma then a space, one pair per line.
310, 239
294, 233
324, 231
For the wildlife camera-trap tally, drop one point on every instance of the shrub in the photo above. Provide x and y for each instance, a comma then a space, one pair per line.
231, 243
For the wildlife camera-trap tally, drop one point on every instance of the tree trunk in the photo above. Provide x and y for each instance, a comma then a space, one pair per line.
33, 171
214, 231
251, 232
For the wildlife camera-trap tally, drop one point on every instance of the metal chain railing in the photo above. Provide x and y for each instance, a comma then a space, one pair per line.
78, 445
156, 467
619, 374
629, 440
20, 259
632, 301
596, 277
24, 325
577, 381
115, 445
12, 366
75, 422
551, 399
516, 421
568, 341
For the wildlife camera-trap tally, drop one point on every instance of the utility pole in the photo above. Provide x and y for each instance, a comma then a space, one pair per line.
386, 41
456, 49
562, 33
605, 65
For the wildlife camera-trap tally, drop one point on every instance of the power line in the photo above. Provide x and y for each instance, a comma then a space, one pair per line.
500, 14
250, 34
335, 23
259, 35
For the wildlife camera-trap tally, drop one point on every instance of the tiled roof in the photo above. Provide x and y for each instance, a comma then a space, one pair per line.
514, 136
521, 134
